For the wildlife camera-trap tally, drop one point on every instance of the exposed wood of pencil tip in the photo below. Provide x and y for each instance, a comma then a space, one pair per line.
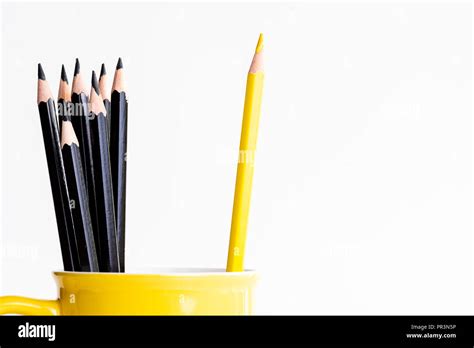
68, 136
119, 84
104, 91
64, 89
96, 102
44, 92
78, 85
257, 61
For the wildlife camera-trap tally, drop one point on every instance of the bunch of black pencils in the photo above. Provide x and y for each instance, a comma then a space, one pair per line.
85, 140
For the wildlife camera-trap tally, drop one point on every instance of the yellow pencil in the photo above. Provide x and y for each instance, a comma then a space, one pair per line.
248, 142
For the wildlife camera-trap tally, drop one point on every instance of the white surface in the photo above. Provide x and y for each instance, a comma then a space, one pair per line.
362, 196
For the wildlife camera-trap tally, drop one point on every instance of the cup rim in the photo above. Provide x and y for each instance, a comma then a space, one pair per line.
165, 271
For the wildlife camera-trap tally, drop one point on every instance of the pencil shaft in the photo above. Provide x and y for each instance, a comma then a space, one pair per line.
118, 160
108, 109
80, 208
55, 164
80, 112
81, 125
109, 261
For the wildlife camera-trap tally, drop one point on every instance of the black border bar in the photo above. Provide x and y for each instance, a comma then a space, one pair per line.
394, 330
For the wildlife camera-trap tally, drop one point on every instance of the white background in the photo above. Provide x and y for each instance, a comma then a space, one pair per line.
362, 198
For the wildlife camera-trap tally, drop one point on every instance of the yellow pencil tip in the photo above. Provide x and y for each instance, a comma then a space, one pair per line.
259, 44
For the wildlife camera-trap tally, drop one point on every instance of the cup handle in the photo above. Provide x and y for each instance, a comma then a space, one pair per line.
28, 306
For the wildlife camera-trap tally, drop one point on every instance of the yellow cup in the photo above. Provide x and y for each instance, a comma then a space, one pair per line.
165, 292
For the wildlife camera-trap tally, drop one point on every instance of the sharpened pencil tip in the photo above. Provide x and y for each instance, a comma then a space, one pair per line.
77, 67
68, 136
64, 75
95, 85
102, 70
41, 75
257, 61
119, 64
259, 47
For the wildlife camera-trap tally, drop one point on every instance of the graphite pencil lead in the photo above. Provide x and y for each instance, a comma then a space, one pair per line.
77, 67
119, 64
63, 74
102, 71
95, 85
41, 75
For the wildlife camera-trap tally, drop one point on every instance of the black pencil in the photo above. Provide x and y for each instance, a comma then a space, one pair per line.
81, 124
78, 198
49, 126
64, 99
105, 94
109, 261
118, 154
